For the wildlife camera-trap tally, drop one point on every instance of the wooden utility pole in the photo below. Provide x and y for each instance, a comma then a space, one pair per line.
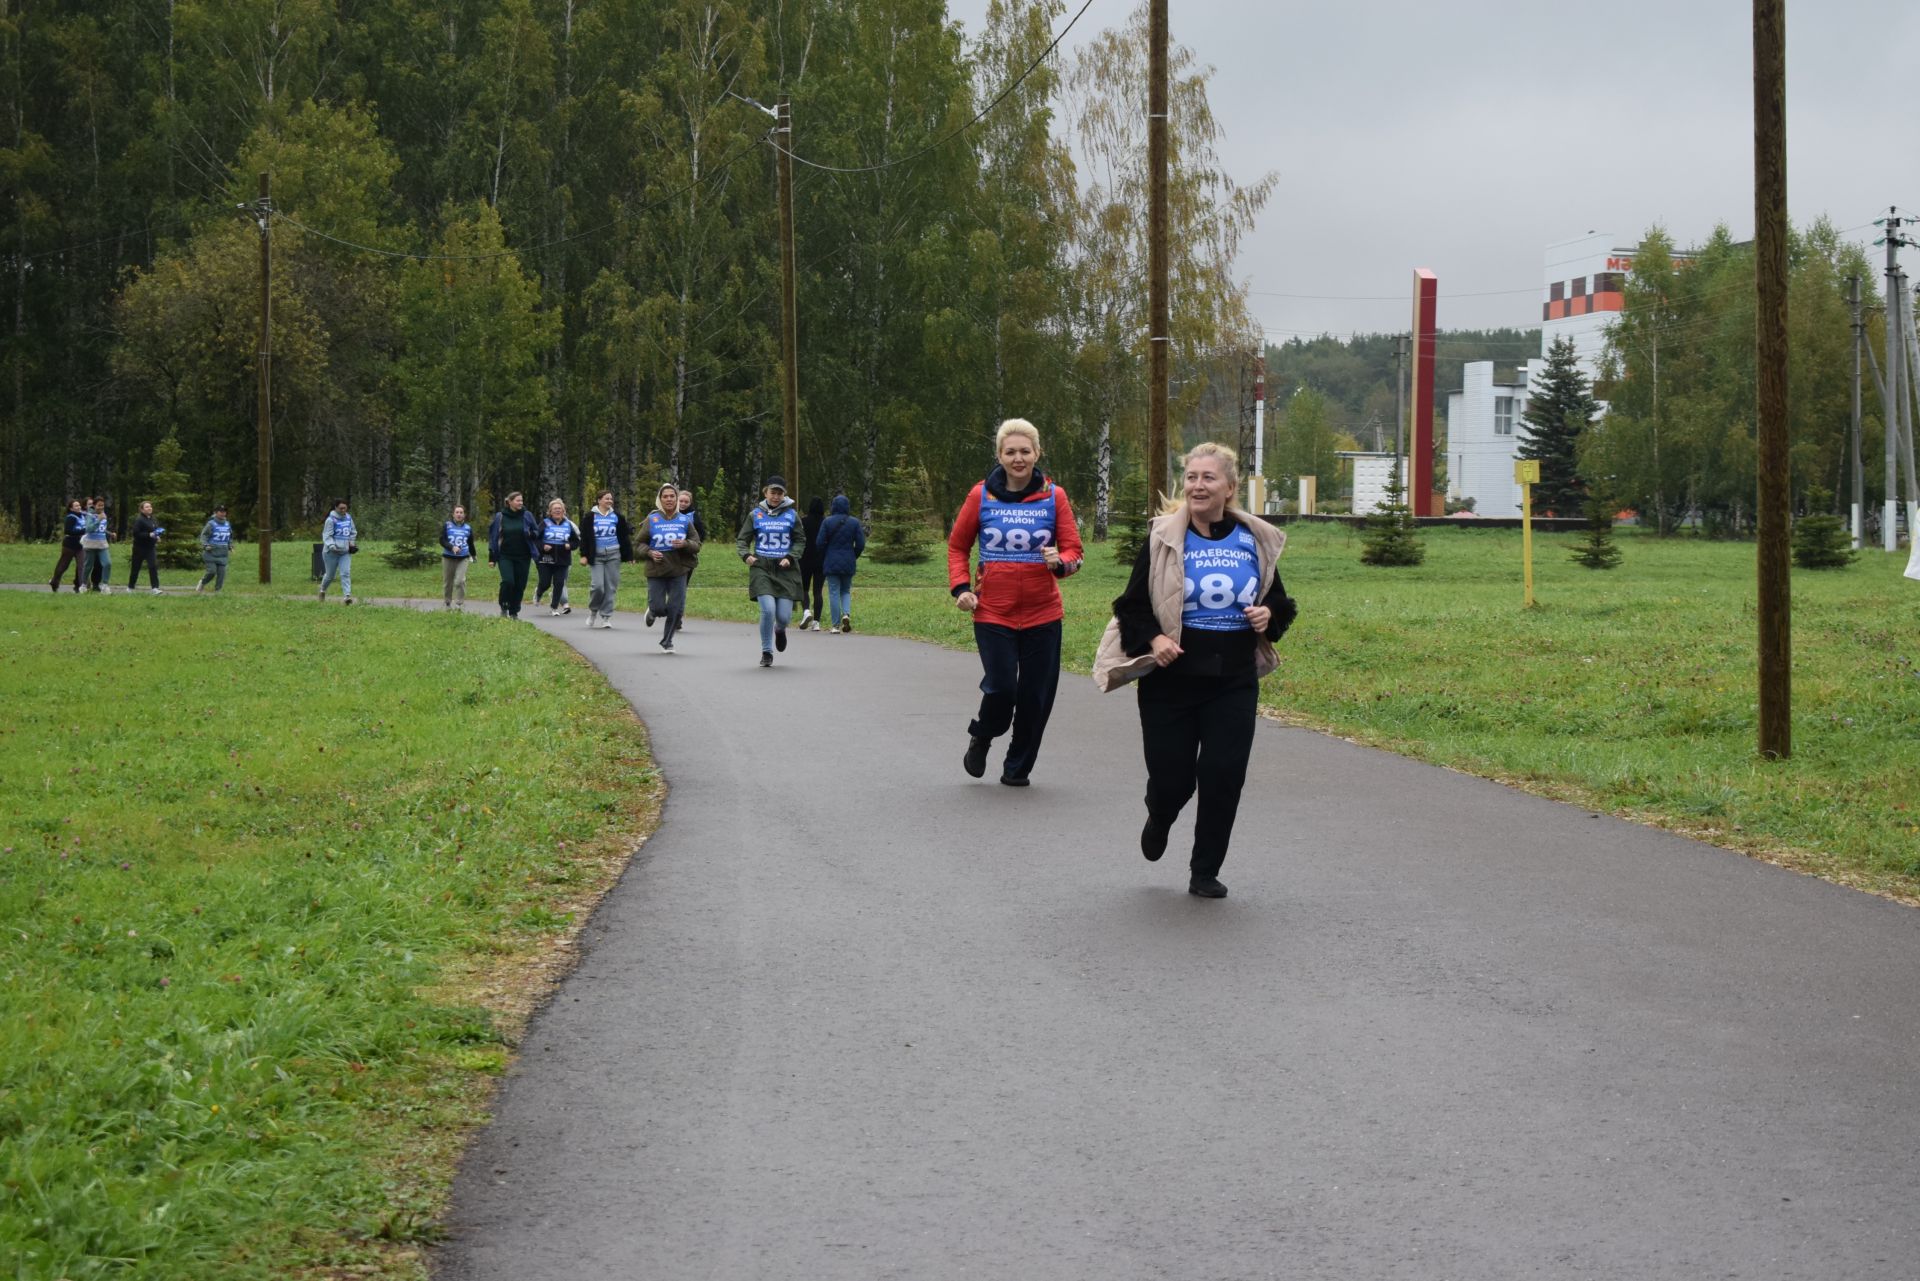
1770, 284
1857, 517
1159, 328
789, 332
263, 503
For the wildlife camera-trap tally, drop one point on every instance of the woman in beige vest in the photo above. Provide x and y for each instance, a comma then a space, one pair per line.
1196, 627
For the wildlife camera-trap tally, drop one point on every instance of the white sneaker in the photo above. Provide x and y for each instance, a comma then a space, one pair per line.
157, 592
806, 620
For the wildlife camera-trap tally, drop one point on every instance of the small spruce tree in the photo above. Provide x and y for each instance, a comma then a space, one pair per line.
176, 508
903, 525
1558, 412
1131, 519
1598, 551
415, 516
1391, 538
1821, 541
719, 507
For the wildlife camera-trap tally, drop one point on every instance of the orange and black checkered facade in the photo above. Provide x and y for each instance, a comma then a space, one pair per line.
1584, 295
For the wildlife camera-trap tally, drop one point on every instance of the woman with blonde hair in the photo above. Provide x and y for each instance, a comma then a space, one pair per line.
1023, 527
1196, 627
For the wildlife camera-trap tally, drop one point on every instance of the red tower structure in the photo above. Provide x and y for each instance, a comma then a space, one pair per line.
1420, 496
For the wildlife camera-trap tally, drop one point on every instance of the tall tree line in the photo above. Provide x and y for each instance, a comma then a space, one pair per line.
534, 242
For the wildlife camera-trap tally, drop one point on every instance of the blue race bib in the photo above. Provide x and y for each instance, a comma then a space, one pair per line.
222, 535
773, 532
556, 533
606, 529
1016, 532
662, 530
459, 538
1223, 579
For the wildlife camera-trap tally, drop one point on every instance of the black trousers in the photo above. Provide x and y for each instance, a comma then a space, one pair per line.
144, 554
812, 581
1197, 733
513, 583
1022, 666
68, 556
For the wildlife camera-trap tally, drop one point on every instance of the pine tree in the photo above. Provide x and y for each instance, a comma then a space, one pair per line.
176, 508
1131, 518
1598, 551
903, 526
415, 515
1559, 410
1821, 541
1390, 538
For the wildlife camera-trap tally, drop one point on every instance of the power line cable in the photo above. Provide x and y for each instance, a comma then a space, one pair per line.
980, 115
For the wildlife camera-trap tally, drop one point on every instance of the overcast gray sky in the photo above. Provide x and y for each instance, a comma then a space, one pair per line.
1467, 136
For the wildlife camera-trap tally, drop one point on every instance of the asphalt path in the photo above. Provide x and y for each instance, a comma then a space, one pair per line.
851, 1014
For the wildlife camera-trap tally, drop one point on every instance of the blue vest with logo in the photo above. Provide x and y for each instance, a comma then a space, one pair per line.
555, 533
1223, 579
460, 540
341, 533
220, 537
606, 530
663, 530
773, 532
1016, 532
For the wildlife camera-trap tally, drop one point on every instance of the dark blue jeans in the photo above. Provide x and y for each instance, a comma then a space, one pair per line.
1022, 666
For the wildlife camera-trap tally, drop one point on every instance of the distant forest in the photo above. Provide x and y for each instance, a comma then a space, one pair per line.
1354, 376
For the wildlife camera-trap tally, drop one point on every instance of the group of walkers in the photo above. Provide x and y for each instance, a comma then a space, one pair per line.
86, 540
1194, 628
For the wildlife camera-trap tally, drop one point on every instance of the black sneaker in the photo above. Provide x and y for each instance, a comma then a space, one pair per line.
650, 617
780, 639
1008, 780
766, 658
975, 761
1206, 887
1153, 839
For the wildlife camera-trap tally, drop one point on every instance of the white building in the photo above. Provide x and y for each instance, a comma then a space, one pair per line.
1583, 289
1372, 473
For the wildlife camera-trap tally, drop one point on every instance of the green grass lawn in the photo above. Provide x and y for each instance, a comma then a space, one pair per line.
267, 877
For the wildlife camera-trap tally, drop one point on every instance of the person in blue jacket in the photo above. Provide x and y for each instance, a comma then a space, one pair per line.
511, 538
842, 539
339, 540
98, 567
71, 528
456, 558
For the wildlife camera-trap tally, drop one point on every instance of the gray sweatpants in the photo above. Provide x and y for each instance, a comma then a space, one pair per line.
606, 583
453, 570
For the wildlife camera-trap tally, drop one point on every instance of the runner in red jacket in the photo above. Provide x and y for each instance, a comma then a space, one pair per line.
1023, 526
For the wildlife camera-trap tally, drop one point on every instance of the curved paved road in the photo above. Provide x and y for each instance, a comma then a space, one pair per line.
854, 1015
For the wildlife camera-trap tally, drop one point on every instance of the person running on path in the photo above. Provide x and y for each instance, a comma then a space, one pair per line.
1196, 626
511, 538
812, 577
559, 538
606, 544
339, 540
97, 571
672, 546
72, 526
688, 510
842, 539
146, 549
456, 558
1023, 525
766, 543
216, 544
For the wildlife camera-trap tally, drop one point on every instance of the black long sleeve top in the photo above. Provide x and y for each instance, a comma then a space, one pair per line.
1203, 653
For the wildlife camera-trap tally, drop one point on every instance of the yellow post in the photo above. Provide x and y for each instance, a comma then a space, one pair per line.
1527, 472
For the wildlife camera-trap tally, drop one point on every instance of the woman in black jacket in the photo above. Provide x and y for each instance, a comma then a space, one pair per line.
71, 527
511, 538
813, 577
146, 548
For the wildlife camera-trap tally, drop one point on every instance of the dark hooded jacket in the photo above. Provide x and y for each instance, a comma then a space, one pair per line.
842, 539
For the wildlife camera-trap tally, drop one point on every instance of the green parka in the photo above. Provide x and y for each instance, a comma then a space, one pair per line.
764, 577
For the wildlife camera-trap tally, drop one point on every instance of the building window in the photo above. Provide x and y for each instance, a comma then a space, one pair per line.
1579, 286
1503, 415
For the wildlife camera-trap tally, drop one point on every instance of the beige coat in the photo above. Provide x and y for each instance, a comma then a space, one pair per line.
1166, 587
